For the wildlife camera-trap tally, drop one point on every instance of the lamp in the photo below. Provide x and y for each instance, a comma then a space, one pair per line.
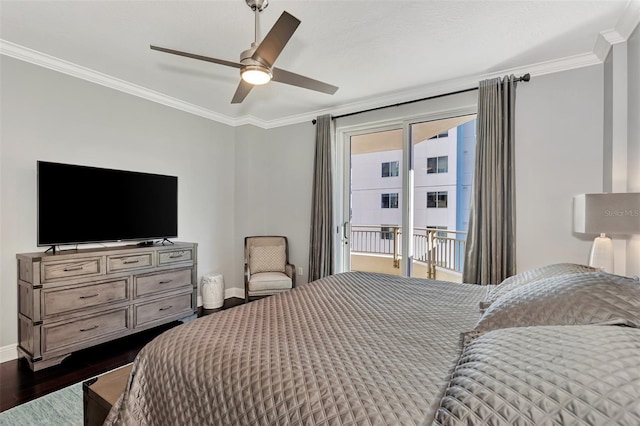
606, 214
256, 74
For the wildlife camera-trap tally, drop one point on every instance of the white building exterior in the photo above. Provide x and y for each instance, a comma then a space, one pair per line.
376, 182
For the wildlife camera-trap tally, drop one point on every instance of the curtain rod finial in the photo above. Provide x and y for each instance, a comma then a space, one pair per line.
314, 121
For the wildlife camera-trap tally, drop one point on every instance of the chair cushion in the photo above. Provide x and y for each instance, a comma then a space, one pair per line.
269, 281
267, 259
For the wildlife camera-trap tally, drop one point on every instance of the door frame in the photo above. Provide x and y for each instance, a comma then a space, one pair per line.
342, 182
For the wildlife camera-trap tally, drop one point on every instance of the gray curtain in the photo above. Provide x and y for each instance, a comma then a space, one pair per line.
320, 241
490, 254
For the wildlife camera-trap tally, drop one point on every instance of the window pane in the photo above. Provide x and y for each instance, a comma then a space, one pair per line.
394, 168
431, 199
393, 201
442, 199
432, 165
390, 168
443, 164
386, 233
385, 169
384, 201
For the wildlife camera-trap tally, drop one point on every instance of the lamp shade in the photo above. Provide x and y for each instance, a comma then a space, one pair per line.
607, 213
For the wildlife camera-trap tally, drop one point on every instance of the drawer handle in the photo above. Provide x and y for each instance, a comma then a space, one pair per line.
175, 256
164, 282
75, 268
129, 262
90, 296
90, 328
166, 307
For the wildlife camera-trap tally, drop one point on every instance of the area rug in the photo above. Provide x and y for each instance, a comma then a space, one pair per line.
62, 407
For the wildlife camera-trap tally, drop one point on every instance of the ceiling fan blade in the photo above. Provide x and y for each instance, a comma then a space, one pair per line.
294, 79
198, 57
241, 92
273, 43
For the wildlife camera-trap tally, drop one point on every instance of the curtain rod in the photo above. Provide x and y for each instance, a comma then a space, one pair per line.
525, 78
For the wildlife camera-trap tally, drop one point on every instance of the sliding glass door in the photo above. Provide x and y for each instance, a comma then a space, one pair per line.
406, 196
373, 229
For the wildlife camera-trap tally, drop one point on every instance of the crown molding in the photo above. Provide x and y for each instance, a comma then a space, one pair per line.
625, 26
629, 20
606, 39
25, 54
447, 86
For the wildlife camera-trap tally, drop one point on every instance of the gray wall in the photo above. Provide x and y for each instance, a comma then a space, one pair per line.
559, 154
50, 116
273, 188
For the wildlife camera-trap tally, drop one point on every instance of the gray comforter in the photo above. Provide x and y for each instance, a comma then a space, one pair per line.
350, 349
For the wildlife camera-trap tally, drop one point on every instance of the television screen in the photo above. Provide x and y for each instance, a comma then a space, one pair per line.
79, 204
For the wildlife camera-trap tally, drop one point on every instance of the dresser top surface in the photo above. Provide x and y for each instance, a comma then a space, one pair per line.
107, 250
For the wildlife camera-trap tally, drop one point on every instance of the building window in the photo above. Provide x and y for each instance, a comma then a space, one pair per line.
390, 169
387, 233
440, 135
389, 201
438, 164
439, 234
437, 199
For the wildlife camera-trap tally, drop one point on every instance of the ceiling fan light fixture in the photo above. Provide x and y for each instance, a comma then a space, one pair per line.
256, 75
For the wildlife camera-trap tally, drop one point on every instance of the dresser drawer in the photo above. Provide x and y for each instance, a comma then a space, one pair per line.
162, 309
164, 281
173, 256
76, 332
127, 263
70, 269
71, 299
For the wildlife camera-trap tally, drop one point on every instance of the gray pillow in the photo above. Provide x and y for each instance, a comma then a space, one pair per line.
535, 274
583, 298
555, 375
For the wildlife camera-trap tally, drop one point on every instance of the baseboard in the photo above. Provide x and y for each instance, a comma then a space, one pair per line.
234, 292
8, 353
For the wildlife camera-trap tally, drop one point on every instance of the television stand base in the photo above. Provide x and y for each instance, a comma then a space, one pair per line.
166, 240
51, 249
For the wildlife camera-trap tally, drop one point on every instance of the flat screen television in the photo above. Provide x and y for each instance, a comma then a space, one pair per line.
80, 204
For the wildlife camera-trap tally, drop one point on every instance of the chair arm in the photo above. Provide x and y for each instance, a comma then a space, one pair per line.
290, 270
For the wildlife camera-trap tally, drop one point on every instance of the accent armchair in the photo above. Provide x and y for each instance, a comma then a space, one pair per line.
266, 266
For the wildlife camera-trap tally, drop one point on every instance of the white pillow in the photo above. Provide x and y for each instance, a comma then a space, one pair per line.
267, 259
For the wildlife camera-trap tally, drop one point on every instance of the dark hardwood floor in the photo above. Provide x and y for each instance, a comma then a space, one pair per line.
18, 384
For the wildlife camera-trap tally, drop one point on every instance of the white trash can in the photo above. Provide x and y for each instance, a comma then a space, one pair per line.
212, 287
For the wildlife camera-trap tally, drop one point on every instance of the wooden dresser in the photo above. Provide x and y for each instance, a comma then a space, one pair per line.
79, 298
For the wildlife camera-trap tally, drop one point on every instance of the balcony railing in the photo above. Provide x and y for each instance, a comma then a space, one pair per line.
440, 248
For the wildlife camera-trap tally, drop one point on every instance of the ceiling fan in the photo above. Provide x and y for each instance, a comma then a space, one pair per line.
256, 63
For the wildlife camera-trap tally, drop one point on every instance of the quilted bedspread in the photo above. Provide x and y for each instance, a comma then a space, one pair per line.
552, 375
350, 349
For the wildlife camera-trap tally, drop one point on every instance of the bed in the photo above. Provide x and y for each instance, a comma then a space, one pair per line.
370, 349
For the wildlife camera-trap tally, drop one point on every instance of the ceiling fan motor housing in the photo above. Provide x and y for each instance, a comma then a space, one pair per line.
247, 58
249, 63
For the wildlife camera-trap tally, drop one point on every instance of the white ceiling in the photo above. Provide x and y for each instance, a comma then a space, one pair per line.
375, 51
